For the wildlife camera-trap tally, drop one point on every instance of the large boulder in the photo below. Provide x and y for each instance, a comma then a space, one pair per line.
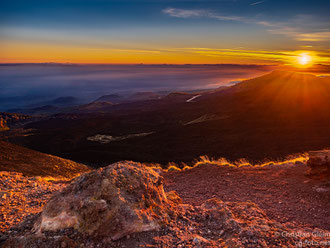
115, 201
319, 163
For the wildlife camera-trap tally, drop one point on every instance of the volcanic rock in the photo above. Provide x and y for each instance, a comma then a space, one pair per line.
126, 199
319, 163
115, 201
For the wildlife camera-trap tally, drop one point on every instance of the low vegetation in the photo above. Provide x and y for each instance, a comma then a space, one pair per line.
293, 159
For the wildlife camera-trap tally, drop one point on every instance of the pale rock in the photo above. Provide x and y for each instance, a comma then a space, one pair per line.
115, 201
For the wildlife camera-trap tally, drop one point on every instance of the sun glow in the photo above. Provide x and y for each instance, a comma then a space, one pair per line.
304, 59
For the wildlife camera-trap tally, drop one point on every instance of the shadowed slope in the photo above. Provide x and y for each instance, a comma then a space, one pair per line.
33, 163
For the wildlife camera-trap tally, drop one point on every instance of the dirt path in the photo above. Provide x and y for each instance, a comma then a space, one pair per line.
284, 193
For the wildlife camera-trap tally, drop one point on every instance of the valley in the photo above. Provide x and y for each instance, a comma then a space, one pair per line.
268, 117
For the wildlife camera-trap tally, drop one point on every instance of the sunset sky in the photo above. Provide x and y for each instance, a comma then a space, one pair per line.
165, 31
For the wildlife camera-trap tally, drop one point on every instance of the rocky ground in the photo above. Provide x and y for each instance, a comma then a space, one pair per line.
284, 192
213, 206
21, 196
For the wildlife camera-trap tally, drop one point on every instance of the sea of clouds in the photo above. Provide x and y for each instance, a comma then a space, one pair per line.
22, 85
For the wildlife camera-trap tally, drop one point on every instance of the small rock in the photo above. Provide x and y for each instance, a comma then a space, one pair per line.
199, 240
321, 190
3, 194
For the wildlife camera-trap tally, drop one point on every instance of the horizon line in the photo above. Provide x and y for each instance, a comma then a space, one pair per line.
158, 64
72, 63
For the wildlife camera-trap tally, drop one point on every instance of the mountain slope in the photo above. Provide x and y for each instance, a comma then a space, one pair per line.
267, 117
33, 163
281, 92
112, 98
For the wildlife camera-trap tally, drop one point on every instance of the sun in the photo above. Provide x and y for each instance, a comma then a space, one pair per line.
304, 59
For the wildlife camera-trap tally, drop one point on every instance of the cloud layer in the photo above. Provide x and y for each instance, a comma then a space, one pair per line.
301, 28
26, 84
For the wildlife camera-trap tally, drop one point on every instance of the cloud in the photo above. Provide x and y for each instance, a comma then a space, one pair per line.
306, 28
45, 82
188, 13
271, 56
299, 34
184, 13
311, 31
126, 50
244, 54
317, 36
226, 18
259, 2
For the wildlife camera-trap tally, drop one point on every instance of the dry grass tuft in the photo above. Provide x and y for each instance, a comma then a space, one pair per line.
293, 159
173, 167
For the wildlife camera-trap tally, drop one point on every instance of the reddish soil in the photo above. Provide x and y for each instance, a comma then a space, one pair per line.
21, 196
283, 192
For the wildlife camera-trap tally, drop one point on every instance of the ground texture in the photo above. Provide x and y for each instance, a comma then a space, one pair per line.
283, 192
215, 206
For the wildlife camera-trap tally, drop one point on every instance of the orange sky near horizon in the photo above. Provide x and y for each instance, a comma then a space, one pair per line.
165, 32
38, 52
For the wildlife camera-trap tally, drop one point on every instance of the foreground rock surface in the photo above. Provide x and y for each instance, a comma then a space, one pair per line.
114, 201
319, 163
21, 196
132, 201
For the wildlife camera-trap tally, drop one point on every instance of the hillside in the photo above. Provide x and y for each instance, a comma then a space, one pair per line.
15, 158
112, 98
54, 106
92, 107
280, 94
138, 96
9, 119
268, 117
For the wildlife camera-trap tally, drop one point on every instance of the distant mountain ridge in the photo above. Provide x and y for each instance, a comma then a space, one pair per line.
63, 101
138, 96
112, 98
54, 106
